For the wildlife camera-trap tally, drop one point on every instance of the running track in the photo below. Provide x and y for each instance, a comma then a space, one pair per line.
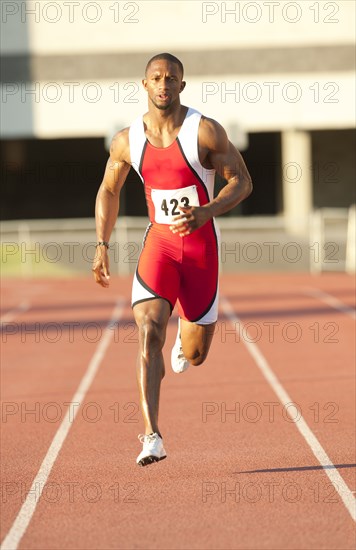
245, 469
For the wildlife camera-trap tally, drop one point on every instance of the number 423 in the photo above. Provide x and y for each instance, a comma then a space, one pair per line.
174, 203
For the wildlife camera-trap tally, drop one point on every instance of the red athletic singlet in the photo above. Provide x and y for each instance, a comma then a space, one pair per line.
177, 269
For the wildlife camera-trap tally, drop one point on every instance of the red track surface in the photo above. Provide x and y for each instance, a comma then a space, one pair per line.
245, 479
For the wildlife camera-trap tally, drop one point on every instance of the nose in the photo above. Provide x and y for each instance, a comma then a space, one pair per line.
164, 84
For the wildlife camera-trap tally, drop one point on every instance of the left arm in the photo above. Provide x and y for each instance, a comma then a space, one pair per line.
221, 155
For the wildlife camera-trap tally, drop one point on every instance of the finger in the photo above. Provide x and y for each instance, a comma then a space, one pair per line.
185, 232
100, 276
99, 280
178, 224
185, 211
180, 217
186, 221
179, 227
106, 271
103, 280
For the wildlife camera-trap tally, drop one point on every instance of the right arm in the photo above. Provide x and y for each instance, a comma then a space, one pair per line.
107, 202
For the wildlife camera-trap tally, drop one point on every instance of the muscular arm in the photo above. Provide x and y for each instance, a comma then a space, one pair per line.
229, 164
220, 154
108, 200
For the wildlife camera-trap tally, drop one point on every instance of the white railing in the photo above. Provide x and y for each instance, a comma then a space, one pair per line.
260, 243
350, 265
332, 240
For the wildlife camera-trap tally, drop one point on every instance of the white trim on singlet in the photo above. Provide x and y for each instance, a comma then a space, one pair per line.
188, 139
137, 140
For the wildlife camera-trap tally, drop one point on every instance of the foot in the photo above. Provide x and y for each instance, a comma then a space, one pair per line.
178, 361
152, 451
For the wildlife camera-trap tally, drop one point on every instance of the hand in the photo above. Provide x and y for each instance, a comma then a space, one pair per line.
192, 218
101, 266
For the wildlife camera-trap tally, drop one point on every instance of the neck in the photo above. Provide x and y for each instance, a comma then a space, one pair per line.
161, 119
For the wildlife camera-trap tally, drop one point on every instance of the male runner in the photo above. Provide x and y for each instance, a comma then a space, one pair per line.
176, 152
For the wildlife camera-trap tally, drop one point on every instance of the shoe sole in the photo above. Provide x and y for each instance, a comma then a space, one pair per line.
150, 460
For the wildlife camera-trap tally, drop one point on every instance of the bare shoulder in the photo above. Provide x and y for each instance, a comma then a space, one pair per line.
212, 135
120, 146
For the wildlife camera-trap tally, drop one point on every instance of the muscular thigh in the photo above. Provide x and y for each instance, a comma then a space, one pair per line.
157, 274
198, 291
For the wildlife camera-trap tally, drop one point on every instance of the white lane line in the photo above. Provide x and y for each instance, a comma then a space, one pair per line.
331, 301
28, 508
339, 484
14, 312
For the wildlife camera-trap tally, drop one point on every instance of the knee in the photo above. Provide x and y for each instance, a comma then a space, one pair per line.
152, 334
196, 358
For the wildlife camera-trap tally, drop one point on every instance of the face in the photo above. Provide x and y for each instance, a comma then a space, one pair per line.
163, 83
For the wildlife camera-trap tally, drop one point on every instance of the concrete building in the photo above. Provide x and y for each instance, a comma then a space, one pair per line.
279, 76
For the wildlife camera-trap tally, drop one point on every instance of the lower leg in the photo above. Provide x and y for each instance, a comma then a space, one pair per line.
196, 341
151, 318
150, 372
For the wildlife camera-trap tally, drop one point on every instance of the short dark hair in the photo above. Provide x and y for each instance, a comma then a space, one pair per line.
167, 57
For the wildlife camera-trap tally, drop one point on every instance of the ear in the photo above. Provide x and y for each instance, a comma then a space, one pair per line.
144, 83
182, 86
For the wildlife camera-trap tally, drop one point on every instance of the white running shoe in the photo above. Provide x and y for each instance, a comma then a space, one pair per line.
178, 361
152, 451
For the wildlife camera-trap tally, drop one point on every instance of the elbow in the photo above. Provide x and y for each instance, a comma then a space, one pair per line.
248, 187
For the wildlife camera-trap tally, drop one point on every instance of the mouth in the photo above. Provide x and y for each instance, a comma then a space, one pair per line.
163, 97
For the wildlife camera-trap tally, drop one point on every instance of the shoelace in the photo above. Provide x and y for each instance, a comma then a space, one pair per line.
180, 353
146, 438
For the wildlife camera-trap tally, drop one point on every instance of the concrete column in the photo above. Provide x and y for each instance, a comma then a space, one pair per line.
297, 180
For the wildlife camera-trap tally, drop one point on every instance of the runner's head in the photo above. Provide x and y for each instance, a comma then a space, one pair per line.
164, 80
166, 57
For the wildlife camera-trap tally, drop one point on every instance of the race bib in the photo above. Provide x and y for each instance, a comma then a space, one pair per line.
166, 202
